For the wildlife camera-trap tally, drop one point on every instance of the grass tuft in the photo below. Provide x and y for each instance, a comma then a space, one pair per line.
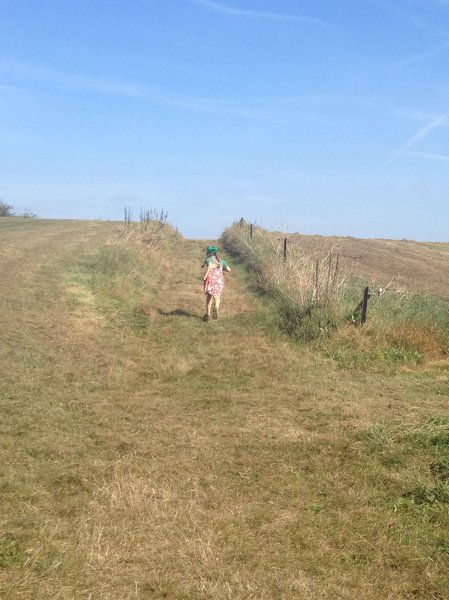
428, 495
11, 552
117, 277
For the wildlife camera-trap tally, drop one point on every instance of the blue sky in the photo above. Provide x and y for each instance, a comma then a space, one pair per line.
317, 116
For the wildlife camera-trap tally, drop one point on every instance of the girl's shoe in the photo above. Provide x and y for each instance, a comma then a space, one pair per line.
206, 318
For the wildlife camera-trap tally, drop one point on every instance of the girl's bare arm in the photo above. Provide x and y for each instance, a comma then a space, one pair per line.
209, 268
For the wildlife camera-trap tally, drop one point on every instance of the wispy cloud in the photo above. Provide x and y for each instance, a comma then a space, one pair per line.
84, 84
436, 123
420, 57
227, 9
277, 109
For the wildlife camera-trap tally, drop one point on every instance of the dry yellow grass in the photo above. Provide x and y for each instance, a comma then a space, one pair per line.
165, 457
409, 265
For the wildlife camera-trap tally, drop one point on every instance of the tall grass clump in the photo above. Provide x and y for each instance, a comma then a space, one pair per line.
314, 300
308, 295
120, 275
410, 324
153, 228
117, 278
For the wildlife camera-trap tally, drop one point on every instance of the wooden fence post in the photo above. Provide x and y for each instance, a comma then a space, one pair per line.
365, 304
285, 248
251, 230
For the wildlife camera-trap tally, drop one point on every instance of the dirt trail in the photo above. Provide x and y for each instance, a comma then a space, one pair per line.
36, 258
179, 288
27, 251
21, 243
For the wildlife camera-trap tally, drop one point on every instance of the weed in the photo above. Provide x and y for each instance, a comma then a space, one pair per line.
428, 495
305, 324
433, 432
440, 470
442, 546
153, 230
316, 508
394, 356
378, 439
11, 552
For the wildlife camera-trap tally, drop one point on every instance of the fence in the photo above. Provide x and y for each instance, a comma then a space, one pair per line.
362, 308
251, 228
322, 286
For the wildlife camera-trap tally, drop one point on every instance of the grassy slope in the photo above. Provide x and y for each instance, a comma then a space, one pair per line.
146, 454
415, 266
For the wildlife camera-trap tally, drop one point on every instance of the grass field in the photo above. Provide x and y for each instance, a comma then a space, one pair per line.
147, 454
417, 266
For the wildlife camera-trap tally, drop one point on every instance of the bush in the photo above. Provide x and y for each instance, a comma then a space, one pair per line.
154, 229
27, 214
5, 210
306, 323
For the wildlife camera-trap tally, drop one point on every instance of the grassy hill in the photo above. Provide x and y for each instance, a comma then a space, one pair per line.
147, 454
417, 266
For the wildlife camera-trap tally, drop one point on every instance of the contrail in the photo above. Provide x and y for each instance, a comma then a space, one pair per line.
241, 12
436, 123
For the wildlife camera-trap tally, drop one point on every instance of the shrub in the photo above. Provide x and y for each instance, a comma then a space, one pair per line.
153, 230
5, 210
27, 214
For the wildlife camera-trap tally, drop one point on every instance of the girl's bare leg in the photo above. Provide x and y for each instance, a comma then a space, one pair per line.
209, 299
217, 305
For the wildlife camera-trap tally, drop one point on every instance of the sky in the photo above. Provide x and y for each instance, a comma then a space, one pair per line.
325, 117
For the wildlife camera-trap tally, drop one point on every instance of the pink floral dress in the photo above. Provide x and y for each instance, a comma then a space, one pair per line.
214, 283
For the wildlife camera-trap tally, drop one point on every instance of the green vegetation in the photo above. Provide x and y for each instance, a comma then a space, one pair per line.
115, 279
5, 210
11, 552
315, 300
147, 454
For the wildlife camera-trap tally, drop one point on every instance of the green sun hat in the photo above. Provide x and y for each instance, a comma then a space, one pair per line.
212, 249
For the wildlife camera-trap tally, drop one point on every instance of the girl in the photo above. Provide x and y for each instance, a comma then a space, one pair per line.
213, 280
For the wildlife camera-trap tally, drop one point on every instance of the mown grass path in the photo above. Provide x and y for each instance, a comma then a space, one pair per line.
147, 454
